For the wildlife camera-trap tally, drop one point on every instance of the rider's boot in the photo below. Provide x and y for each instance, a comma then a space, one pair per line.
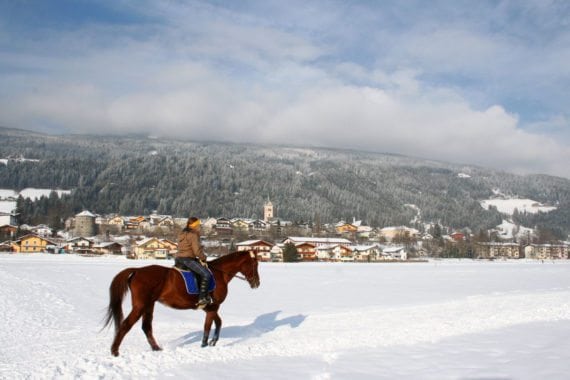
204, 299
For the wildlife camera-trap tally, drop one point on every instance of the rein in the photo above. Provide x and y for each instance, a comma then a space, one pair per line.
237, 275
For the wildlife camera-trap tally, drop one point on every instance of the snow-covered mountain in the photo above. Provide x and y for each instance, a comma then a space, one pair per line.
117, 174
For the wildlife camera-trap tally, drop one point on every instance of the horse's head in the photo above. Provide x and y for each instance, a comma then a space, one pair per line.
248, 268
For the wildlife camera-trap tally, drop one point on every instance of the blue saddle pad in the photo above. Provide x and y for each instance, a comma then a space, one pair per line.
192, 283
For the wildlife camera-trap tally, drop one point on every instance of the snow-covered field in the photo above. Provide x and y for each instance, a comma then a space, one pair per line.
8, 206
508, 206
436, 320
32, 193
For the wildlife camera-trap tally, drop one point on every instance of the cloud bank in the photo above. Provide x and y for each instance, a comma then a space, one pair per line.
446, 90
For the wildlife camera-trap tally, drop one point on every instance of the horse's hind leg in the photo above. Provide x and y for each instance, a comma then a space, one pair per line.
147, 327
133, 317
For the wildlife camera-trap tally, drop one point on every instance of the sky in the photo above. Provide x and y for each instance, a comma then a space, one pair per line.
470, 82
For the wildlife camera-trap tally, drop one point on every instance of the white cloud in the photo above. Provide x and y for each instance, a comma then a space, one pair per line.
215, 74
449, 130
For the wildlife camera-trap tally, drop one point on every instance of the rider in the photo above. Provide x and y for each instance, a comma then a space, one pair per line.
191, 256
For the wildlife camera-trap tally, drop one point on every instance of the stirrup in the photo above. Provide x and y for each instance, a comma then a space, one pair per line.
203, 302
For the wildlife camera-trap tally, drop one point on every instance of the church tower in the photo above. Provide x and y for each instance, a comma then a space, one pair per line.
267, 211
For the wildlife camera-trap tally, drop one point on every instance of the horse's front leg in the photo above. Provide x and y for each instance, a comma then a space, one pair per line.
207, 326
218, 323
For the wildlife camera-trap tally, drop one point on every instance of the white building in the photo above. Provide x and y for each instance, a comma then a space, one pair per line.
395, 253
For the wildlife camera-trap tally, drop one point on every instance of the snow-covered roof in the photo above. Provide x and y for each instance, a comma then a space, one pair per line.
251, 242
85, 213
392, 249
106, 244
316, 240
364, 247
399, 228
145, 240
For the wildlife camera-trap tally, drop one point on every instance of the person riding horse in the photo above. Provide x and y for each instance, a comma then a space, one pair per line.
191, 256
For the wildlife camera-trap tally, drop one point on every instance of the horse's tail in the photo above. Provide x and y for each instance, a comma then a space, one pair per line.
119, 287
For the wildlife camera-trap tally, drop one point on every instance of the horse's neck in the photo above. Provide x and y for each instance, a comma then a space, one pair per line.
229, 268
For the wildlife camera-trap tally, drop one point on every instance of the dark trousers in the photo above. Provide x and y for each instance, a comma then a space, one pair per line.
195, 266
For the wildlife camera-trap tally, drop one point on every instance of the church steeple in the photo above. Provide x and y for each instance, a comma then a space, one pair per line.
267, 211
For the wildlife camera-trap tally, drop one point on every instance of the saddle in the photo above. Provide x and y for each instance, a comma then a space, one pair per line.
191, 281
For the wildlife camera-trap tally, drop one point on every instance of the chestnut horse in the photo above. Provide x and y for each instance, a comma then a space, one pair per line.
165, 285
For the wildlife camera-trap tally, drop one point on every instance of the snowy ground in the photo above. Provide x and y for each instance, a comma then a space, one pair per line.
436, 320
508, 206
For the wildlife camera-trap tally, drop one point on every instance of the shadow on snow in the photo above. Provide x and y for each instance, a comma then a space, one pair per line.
261, 325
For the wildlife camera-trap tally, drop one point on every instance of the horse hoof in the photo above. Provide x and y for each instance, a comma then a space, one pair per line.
115, 353
213, 343
157, 348
204, 344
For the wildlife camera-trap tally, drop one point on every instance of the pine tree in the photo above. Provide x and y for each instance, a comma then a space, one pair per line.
290, 254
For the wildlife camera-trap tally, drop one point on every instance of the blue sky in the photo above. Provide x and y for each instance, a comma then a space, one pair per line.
474, 82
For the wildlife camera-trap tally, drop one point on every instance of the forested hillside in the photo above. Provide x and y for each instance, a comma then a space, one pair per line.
137, 174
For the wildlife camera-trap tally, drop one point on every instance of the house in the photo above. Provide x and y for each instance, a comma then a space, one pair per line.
223, 227
457, 236
302, 225
260, 247
80, 245
306, 251
398, 233
8, 218
345, 228
152, 248
209, 224
42, 230
108, 248
546, 251
277, 252
334, 252
8, 230
394, 253
496, 250
366, 253
258, 225
166, 222
145, 225
134, 223
239, 224
171, 246
32, 243
154, 218
118, 221
365, 232
316, 241
6, 246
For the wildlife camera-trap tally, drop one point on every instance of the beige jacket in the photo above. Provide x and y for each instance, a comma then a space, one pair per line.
189, 245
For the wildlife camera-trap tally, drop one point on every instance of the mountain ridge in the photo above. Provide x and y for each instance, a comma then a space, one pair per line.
134, 174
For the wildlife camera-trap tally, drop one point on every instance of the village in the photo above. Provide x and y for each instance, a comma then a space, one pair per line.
274, 240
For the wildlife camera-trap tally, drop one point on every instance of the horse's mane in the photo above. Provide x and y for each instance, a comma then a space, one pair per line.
229, 256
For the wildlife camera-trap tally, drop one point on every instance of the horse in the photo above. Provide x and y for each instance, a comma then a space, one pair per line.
165, 284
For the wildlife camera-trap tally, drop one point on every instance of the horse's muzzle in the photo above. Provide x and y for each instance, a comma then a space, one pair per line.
254, 283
